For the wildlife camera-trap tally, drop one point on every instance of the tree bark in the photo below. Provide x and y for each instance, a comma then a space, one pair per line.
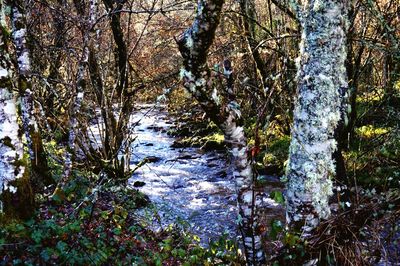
321, 78
78, 96
32, 133
57, 57
16, 196
224, 111
244, 175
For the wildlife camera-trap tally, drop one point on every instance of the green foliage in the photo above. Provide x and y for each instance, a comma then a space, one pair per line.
294, 249
277, 196
276, 228
370, 131
276, 156
56, 152
374, 157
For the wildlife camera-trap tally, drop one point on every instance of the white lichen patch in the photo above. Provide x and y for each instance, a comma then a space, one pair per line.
24, 62
215, 97
3, 22
189, 41
200, 82
318, 5
11, 148
3, 73
19, 33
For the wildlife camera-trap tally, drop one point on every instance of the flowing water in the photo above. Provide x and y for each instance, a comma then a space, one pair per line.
186, 184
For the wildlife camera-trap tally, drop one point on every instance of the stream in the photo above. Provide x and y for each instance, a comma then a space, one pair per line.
185, 184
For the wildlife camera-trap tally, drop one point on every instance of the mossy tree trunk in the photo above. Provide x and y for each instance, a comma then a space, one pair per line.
39, 168
223, 109
16, 196
321, 79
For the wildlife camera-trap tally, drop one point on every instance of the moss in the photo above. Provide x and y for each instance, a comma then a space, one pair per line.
375, 95
370, 131
40, 167
5, 31
397, 87
21, 204
214, 141
23, 85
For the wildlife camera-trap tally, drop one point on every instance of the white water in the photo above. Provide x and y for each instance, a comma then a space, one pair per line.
186, 183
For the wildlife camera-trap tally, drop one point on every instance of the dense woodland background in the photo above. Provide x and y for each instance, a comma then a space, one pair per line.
76, 70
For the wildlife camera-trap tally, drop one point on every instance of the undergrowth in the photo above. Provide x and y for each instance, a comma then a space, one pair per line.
99, 225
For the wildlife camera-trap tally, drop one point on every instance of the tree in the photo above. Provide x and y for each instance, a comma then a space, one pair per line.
78, 96
223, 109
321, 78
16, 197
32, 132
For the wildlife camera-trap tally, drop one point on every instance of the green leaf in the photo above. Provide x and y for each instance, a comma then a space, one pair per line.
117, 231
62, 246
37, 236
276, 227
181, 253
277, 196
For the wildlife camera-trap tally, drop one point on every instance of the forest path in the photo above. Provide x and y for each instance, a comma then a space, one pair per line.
186, 184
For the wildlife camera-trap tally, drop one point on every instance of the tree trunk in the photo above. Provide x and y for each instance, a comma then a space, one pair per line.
16, 196
78, 96
243, 175
321, 78
224, 111
57, 58
38, 157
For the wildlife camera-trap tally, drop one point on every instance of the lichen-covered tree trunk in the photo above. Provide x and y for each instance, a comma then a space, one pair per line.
321, 78
31, 130
224, 111
16, 198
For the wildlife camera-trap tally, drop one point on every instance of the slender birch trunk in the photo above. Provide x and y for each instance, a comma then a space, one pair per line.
80, 78
321, 78
78, 96
16, 198
225, 113
243, 174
